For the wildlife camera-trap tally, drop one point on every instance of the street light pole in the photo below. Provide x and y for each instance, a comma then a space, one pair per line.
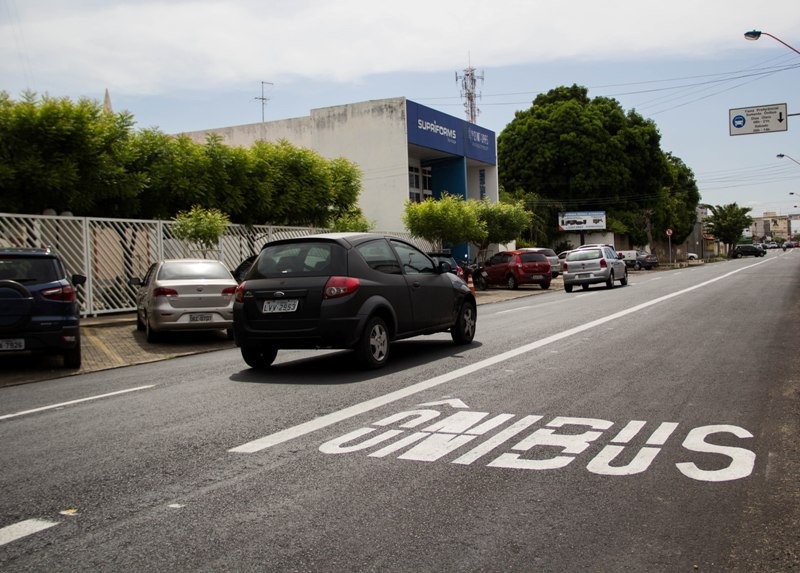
756, 34
782, 155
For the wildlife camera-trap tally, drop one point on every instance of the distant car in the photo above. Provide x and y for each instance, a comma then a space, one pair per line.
593, 265
39, 312
748, 251
182, 295
552, 257
772, 245
692, 256
358, 291
520, 267
455, 268
645, 260
788, 245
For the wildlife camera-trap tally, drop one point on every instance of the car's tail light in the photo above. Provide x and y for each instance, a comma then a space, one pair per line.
564, 267
239, 292
161, 291
603, 264
65, 294
340, 286
229, 290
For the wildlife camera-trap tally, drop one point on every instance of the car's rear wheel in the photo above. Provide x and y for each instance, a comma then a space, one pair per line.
139, 323
568, 288
151, 334
512, 283
372, 349
624, 280
480, 282
637, 266
610, 281
259, 357
463, 330
545, 286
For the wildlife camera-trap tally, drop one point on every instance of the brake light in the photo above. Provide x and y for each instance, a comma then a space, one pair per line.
229, 290
64, 294
161, 291
340, 286
564, 267
239, 292
603, 264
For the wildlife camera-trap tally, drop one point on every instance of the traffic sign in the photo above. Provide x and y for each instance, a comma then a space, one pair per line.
758, 119
669, 232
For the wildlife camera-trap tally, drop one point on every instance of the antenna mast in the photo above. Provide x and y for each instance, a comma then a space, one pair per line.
263, 99
468, 91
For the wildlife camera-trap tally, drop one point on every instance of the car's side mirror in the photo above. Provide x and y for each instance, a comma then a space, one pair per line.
444, 267
78, 280
134, 281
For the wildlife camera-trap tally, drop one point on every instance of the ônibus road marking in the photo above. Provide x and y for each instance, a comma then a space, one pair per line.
358, 409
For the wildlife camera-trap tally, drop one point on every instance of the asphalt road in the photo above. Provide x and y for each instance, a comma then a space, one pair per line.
647, 428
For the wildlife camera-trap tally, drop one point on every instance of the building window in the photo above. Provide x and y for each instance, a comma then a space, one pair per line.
427, 179
413, 178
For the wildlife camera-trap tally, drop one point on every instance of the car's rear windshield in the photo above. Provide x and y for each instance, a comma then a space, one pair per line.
178, 270
584, 255
299, 259
532, 258
547, 252
30, 269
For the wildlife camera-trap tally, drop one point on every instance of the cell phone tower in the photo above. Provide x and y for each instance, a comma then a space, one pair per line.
468, 91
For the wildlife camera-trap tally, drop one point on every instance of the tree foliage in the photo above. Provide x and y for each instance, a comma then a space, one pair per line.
727, 222
204, 227
450, 220
76, 157
572, 153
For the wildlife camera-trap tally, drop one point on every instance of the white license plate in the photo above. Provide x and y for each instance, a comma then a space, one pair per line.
536, 277
289, 305
200, 317
12, 344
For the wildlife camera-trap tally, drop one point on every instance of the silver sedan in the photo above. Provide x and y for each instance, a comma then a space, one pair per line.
184, 294
591, 265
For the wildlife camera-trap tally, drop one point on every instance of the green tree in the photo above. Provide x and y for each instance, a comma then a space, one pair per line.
449, 220
727, 222
503, 221
200, 226
577, 153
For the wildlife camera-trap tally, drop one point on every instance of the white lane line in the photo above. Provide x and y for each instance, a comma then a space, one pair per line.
358, 409
62, 404
23, 528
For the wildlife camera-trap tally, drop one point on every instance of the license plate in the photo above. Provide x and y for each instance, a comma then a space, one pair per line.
200, 318
289, 305
536, 277
12, 344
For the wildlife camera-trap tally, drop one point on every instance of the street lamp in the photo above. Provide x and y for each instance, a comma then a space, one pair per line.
782, 155
756, 34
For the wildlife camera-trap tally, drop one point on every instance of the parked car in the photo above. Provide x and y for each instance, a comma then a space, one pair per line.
591, 265
455, 268
39, 312
645, 260
748, 251
692, 256
358, 291
552, 258
182, 295
514, 268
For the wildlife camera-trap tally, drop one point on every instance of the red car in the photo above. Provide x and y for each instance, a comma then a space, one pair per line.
514, 268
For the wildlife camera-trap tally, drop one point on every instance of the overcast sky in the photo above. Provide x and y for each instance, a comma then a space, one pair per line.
186, 65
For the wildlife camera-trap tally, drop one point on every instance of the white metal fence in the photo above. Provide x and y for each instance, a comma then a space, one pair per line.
109, 251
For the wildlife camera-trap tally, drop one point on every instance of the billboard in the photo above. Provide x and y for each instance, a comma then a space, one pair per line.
582, 220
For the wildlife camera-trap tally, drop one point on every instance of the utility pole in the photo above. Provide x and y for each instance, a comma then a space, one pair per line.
263, 98
468, 86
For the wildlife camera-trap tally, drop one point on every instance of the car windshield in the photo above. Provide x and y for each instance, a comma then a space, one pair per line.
299, 259
584, 255
193, 270
29, 270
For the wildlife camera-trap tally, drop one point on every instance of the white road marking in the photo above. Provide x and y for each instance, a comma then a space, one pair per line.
23, 528
358, 409
62, 404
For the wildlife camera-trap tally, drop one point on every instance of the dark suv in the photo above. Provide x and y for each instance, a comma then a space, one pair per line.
346, 290
38, 309
748, 251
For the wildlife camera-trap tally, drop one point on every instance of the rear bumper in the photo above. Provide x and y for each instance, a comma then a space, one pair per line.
329, 333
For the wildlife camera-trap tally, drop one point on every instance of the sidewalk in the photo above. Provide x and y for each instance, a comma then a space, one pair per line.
112, 341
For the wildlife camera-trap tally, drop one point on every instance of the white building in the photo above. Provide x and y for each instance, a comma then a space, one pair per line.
404, 150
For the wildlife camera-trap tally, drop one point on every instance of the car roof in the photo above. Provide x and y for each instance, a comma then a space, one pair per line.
343, 238
28, 251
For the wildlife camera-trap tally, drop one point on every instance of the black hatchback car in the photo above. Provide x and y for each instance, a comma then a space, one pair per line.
748, 251
346, 290
38, 309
